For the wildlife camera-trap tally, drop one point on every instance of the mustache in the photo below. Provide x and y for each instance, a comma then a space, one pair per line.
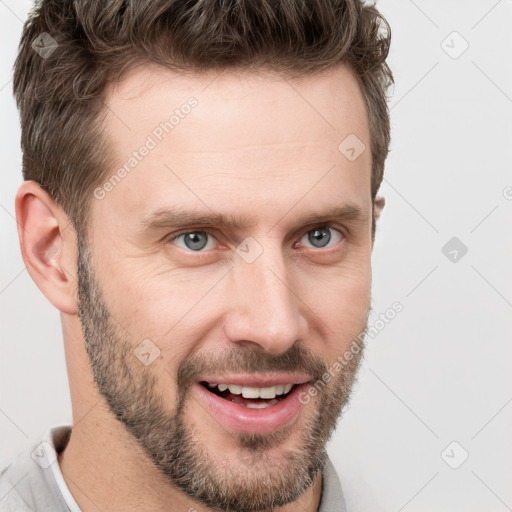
249, 360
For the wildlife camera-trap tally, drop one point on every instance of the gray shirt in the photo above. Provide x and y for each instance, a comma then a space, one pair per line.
33, 482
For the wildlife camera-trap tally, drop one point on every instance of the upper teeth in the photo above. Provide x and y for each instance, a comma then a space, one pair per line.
250, 392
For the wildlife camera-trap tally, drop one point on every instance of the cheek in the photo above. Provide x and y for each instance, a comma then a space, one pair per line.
168, 312
156, 297
342, 301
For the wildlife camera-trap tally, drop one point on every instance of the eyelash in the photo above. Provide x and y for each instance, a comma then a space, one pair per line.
172, 237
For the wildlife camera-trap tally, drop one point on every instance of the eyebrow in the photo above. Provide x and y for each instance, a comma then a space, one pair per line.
178, 217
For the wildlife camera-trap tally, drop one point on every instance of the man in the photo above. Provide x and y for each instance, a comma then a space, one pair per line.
199, 203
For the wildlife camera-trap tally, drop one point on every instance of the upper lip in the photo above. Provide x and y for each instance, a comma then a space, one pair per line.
257, 381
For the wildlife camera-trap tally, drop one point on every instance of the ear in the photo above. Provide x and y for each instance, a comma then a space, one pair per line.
48, 246
378, 206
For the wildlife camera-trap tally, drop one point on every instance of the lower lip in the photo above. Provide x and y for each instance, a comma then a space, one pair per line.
243, 419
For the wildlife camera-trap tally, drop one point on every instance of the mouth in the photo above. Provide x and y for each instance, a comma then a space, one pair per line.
252, 405
250, 396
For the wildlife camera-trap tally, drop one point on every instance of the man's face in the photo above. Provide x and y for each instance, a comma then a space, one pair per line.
173, 307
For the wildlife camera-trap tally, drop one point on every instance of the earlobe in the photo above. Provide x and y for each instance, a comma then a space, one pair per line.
379, 204
47, 245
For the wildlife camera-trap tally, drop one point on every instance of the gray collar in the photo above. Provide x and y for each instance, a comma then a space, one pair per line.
332, 494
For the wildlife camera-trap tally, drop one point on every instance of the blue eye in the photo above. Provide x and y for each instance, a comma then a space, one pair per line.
194, 240
320, 237
201, 241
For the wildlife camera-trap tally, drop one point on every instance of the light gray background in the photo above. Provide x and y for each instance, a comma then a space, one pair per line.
441, 370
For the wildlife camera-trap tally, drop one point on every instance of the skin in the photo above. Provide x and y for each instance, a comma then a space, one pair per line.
252, 146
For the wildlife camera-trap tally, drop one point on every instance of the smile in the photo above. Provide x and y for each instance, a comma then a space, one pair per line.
248, 396
252, 405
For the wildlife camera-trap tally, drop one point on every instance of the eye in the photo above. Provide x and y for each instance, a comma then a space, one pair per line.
194, 240
201, 241
320, 237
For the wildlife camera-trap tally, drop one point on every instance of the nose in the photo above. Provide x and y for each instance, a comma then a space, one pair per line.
264, 308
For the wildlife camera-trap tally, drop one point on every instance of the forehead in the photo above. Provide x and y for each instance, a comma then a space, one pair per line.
224, 137
150, 93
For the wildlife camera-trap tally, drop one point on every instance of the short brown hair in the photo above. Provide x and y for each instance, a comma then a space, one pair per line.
60, 97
